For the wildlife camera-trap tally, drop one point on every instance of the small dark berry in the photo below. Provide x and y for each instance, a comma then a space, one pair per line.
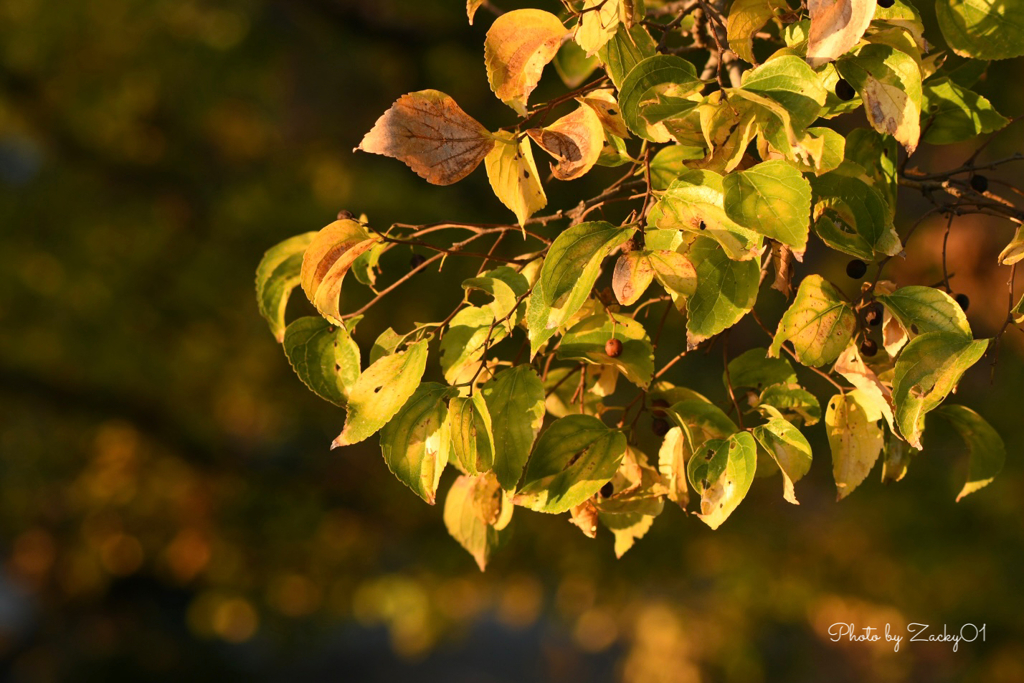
856, 269
886, 4
416, 261
344, 215
979, 183
660, 427
963, 301
658, 407
869, 347
607, 490
613, 347
844, 90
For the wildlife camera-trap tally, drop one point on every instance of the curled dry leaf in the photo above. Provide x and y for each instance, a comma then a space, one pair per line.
518, 46
584, 516
836, 26
428, 132
471, 7
328, 257
575, 140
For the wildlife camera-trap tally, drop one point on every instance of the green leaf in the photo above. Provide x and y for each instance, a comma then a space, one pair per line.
573, 459
364, 268
889, 82
276, 276
726, 291
673, 271
381, 391
793, 401
754, 369
826, 147
789, 81
987, 453
327, 259
464, 344
957, 114
819, 323
475, 512
506, 286
385, 345
573, 65
701, 420
627, 527
570, 269
852, 216
983, 29
515, 400
586, 340
416, 441
855, 437
722, 472
623, 52
790, 450
927, 370
771, 198
667, 164
876, 154
647, 80
695, 202
472, 437
926, 309
324, 356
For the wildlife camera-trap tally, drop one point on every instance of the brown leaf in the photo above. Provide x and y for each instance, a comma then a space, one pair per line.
518, 46
428, 132
836, 26
575, 140
782, 262
584, 516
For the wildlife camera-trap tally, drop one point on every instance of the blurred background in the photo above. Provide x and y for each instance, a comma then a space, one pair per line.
169, 509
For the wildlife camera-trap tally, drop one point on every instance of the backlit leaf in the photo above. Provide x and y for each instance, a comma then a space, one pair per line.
746, 18
465, 341
599, 22
721, 471
631, 277
674, 272
276, 276
628, 48
515, 401
514, 177
416, 442
572, 460
586, 341
606, 107
471, 433
324, 356
518, 46
926, 309
646, 80
927, 370
428, 132
754, 369
889, 81
855, 437
326, 261
771, 198
986, 450
475, 511
790, 450
381, 391
872, 392
957, 114
726, 291
672, 458
983, 29
819, 323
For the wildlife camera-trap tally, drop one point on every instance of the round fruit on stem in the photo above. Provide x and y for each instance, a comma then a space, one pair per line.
868, 347
963, 301
660, 426
658, 406
886, 4
979, 183
607, 490
873, 314
613, 347
416, 261
844, 90
856, 269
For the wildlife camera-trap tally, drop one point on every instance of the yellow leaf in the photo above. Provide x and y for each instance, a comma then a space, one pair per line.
575, 140
327, 258
851, 366
746, 18
632, 276
518, 46
1014, 251
891, 111
471, 7
513, 176
599, 20
428, 132
855, 438
607, 108
836, 26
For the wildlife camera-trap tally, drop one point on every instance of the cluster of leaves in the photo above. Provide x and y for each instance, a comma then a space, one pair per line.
731, 177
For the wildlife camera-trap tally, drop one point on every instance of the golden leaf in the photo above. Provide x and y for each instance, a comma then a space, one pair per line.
607, 109
575, 140
328, 257
428, 132
518, 46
